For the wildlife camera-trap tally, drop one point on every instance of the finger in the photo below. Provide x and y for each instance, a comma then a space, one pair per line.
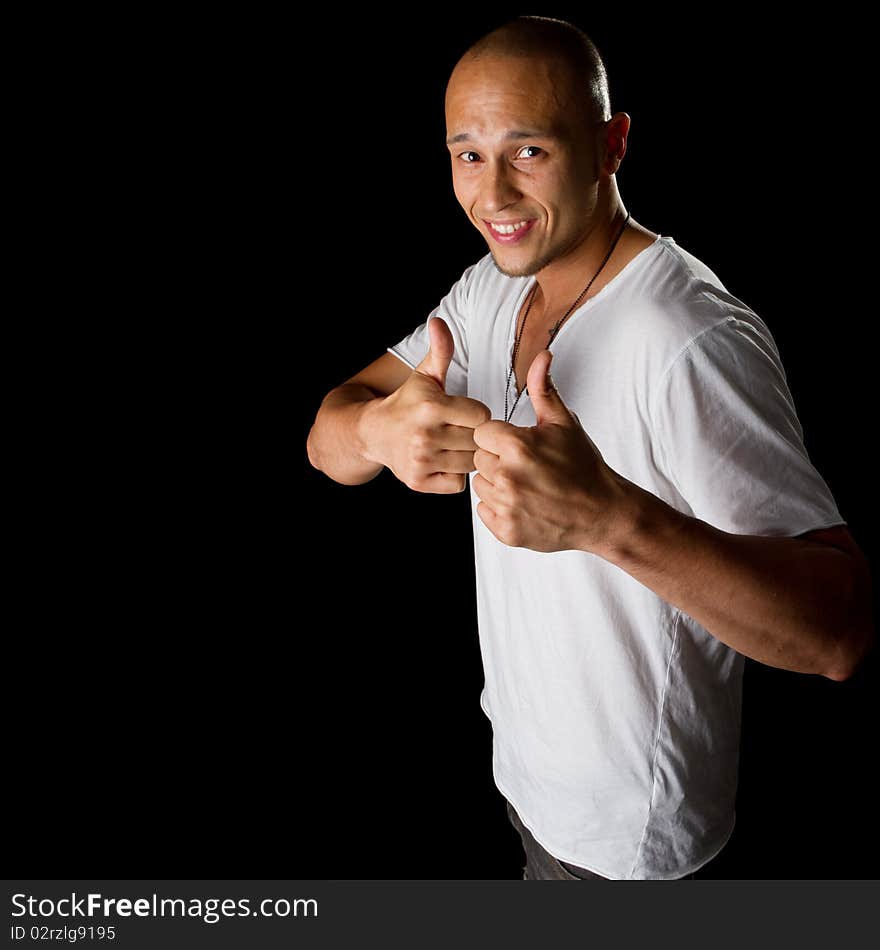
488, 517
464, 411
492, 434
455, 462
457, 437
486, 463
485, 491
546, 401
440, 351
443, 483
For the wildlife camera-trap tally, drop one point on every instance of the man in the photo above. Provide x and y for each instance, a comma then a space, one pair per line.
641, 522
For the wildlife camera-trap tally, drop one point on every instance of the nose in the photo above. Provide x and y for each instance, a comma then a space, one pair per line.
497, 191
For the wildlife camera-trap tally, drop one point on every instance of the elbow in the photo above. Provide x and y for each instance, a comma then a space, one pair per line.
859, 636
850, 656
312, 450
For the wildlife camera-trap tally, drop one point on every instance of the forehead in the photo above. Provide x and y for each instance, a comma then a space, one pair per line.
492, 93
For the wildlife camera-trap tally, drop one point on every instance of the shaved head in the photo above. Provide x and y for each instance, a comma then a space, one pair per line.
563, 44
533, 145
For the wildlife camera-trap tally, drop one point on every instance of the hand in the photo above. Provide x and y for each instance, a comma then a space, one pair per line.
545, 487
419, 432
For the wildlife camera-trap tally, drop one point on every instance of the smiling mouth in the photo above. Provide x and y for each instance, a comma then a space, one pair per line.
510, 231
508, 228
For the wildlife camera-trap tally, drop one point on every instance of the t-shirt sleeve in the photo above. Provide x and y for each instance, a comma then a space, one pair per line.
454, 309
729, 440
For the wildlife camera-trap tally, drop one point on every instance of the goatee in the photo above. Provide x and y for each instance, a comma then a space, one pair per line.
526, 270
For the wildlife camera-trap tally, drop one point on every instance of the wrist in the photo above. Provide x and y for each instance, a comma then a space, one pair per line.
366, 429
628, 514
642, 522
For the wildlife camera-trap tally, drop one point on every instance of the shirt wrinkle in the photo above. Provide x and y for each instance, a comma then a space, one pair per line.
615, 716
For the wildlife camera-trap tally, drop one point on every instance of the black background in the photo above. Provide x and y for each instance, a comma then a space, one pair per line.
236, 667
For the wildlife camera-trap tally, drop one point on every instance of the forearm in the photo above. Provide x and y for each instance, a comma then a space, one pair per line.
791, 603
336, 443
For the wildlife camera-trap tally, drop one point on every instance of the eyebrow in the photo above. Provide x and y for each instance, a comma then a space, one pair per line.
512, 134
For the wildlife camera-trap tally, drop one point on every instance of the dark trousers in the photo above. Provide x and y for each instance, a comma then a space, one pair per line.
542, 866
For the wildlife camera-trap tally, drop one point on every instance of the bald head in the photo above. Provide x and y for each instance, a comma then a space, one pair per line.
532, 141
570, 51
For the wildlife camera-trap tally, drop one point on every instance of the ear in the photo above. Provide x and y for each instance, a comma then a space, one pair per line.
613, 138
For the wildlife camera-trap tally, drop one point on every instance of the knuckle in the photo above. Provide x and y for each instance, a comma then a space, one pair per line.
514, 533
518, 451
414, 475
505, 483
448, 486
480, 412
508, 530
420, 444
426, 412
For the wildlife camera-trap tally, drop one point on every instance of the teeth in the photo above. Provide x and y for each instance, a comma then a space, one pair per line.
507, 228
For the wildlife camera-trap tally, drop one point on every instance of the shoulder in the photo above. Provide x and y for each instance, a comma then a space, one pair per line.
682, 304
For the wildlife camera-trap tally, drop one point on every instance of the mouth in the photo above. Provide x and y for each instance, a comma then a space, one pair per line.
510, 232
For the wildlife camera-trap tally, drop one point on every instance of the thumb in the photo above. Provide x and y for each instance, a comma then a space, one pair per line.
546, 401
439, 355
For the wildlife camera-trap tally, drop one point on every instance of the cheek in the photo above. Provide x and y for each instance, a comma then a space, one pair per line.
463, 190
554, 193
571, 201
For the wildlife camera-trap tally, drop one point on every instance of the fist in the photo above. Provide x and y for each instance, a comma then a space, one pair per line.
544, 487
424, 436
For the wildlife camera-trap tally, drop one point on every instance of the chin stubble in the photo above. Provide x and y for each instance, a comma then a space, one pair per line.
527, 269
532, 267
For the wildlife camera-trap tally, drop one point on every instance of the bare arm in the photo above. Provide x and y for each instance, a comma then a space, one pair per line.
800, 604
391, 416
336, 443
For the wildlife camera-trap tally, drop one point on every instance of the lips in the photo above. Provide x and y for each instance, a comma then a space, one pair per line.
520, 229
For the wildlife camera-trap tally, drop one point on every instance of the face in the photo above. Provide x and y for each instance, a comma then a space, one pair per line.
521, 152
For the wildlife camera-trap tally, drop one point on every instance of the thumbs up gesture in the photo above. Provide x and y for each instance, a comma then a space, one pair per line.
545, 487
435, 365
423, 435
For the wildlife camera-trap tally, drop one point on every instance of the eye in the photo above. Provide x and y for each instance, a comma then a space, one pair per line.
466, 160
534, 147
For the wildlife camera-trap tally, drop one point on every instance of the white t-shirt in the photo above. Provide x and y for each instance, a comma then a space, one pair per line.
615, 716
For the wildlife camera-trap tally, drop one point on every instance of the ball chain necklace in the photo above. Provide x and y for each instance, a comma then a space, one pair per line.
555, 328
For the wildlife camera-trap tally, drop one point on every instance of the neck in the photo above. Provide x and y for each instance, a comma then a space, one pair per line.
563, 279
